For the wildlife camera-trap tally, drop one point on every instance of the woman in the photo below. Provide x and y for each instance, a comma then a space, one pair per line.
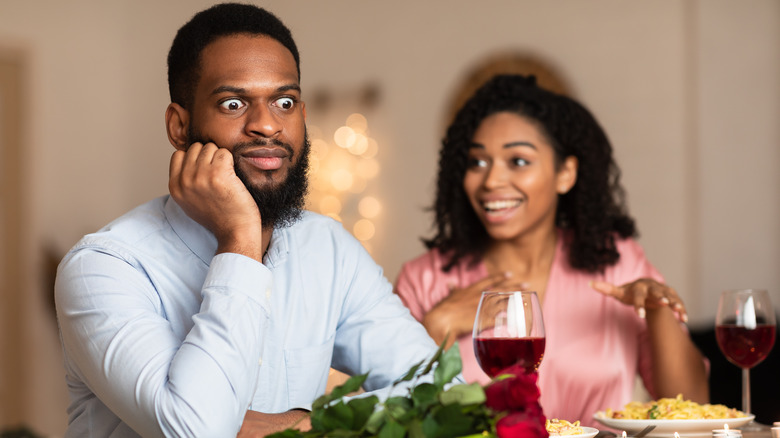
528, 196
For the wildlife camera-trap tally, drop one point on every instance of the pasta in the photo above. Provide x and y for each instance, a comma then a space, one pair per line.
673, 409
556, 427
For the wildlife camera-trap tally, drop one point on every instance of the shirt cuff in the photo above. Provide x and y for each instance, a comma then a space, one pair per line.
235, 272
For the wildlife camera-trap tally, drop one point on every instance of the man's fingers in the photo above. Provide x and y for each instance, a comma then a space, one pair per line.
177, 159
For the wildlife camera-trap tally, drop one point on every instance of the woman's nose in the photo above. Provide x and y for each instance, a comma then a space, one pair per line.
496, 176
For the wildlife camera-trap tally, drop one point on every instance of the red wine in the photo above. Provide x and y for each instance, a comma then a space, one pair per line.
497, 354
745, 348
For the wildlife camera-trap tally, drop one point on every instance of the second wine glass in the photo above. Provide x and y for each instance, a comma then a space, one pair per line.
745, 331
509, 330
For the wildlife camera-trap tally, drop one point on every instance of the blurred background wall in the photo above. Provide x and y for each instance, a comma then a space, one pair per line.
688, 91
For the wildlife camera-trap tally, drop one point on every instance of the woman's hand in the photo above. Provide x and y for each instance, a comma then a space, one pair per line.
677, 364
453, 316
644, 294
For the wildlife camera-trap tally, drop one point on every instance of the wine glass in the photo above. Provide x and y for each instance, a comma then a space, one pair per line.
745, 330
508, 330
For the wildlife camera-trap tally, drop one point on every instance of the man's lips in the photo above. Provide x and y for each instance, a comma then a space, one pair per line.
266, 158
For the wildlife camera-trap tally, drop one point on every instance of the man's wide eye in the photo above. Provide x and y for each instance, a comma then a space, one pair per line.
232, 104
285, 103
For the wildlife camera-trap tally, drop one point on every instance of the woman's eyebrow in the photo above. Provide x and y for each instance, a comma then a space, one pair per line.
519, 143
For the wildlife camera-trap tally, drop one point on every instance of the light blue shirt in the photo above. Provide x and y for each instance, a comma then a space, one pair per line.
163, 338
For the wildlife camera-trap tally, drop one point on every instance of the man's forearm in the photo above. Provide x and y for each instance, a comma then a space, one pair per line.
258, 424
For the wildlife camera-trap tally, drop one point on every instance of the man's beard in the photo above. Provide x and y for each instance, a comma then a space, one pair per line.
280, 204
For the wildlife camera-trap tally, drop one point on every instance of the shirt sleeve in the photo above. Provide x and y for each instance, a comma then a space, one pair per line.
156, 379
376, 333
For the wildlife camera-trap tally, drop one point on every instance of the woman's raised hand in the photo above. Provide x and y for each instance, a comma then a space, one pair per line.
644, 294
453, 316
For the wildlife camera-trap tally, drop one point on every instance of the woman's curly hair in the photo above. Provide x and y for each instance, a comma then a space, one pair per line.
592, 213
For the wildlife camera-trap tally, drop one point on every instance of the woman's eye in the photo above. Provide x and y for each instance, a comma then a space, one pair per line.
476, 162
285, 103
232, 104
520, 162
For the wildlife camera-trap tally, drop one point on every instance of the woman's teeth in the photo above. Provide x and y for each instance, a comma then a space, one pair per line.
500, 205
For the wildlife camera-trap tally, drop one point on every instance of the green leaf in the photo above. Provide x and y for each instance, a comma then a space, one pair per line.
452, 422
376, 421
414, 429
289, 433
471, 394
430, 427
424, 394
392, 429
339, 416
450, 366
410, 374
435, 358
362, 408
351, 385
397, 407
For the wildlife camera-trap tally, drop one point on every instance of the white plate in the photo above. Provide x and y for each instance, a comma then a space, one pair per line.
587, 432
669, 427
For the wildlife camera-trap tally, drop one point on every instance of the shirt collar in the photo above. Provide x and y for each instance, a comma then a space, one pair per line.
203, 243
197, 238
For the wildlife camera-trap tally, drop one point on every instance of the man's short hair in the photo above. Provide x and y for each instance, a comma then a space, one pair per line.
207, 26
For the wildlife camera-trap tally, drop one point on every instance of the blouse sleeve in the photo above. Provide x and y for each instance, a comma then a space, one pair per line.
408, 285
422, 283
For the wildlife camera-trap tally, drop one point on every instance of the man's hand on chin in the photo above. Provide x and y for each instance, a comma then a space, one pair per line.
258, 424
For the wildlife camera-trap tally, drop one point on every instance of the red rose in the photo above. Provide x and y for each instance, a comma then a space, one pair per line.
521, 425
512, 393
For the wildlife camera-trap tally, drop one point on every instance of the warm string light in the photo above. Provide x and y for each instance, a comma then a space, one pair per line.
342, 167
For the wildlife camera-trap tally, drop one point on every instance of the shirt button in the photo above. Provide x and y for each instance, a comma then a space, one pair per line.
260, 362
268, 293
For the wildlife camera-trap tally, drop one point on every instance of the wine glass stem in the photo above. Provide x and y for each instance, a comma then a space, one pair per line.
746, 390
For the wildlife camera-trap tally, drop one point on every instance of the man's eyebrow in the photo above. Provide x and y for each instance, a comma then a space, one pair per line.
238, 90
506, 146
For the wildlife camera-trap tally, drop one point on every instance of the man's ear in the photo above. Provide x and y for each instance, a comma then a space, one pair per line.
567, 175
177, 122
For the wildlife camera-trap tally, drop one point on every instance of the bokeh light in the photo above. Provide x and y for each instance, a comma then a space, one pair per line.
344, 137
369, 207
341, 179
363, 229
342, 169
357, 122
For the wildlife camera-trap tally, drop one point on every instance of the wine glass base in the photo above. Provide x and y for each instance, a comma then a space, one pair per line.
754, 429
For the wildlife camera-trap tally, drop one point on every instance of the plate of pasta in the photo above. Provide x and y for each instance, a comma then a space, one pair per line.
556, 427
670, 415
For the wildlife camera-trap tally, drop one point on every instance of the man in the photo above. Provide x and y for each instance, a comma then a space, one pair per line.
225, 303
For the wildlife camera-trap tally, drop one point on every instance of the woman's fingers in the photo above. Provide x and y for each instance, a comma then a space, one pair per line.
639, 292
643, 294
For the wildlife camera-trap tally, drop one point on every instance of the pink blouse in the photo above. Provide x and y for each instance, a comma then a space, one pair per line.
595, 345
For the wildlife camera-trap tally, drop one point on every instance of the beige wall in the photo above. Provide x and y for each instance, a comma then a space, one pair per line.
688, 91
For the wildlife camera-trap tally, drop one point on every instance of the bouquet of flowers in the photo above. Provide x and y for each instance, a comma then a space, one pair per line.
506, 407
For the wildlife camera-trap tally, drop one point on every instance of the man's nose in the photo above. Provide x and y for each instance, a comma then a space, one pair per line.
261, 121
